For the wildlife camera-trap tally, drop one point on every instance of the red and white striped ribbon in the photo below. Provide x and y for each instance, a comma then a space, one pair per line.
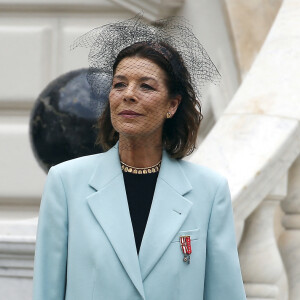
185, 242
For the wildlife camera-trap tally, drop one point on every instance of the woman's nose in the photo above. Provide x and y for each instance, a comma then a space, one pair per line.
129, 93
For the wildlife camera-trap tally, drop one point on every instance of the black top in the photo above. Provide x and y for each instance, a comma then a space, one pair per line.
140, 190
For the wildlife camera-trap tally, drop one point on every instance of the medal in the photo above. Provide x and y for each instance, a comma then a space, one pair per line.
185, 244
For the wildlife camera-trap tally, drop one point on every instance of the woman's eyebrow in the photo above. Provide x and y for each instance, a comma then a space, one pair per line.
147, 78
122, 77
144, 78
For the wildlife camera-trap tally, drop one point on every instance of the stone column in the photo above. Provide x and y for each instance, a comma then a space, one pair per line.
262, 267
289, 242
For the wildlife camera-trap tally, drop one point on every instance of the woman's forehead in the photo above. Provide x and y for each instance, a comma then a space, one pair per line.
138, 67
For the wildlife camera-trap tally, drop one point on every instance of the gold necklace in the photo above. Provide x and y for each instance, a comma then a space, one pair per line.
153, 169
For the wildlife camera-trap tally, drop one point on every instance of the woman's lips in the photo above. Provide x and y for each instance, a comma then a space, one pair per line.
129, 114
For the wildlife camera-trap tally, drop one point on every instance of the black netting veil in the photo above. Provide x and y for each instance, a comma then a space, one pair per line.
105, 43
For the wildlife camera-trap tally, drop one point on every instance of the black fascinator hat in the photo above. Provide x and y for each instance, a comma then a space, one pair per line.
105, 43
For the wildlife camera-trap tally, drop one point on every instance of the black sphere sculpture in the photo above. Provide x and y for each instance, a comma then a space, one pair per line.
62, 122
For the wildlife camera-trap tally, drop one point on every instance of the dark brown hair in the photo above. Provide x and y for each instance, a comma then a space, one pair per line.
179, 132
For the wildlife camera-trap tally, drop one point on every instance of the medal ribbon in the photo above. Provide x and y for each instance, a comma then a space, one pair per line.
185, 242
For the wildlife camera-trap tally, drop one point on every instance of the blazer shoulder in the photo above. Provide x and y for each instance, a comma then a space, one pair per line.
196, 172
78, 165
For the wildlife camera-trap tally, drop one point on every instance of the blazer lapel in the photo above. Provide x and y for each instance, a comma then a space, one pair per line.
168, 212
110, 207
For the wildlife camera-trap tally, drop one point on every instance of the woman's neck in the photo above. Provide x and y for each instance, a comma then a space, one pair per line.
139, 153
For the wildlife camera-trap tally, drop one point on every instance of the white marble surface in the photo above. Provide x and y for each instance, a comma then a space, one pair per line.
16, 288
250, 22
261, 263
30, 38
17, 244
289, 241
17, 241
152, 9
272, 85
291, 204
290, 250
22, 179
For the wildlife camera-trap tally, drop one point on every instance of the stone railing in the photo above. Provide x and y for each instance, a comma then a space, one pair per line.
262, 266
254, 144
289, 242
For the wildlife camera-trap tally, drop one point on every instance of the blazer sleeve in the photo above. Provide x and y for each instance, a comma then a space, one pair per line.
223, 279
49, 279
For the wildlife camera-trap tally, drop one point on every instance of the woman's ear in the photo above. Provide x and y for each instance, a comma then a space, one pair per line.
174, 103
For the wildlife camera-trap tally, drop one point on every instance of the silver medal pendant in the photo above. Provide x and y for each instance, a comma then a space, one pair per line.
187, 259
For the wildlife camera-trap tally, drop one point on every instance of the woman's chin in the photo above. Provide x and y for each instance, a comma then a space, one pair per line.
131, 134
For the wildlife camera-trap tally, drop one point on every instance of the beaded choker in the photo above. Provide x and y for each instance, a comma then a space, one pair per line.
148, 170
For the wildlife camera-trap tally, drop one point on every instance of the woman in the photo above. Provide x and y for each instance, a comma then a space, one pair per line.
137, 221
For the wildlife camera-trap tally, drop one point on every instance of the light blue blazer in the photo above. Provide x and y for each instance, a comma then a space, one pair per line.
85, 247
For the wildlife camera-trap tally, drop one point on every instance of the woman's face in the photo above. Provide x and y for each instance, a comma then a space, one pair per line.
139, 98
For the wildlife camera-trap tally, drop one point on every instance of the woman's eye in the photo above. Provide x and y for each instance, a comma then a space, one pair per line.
119, 85
146, 86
